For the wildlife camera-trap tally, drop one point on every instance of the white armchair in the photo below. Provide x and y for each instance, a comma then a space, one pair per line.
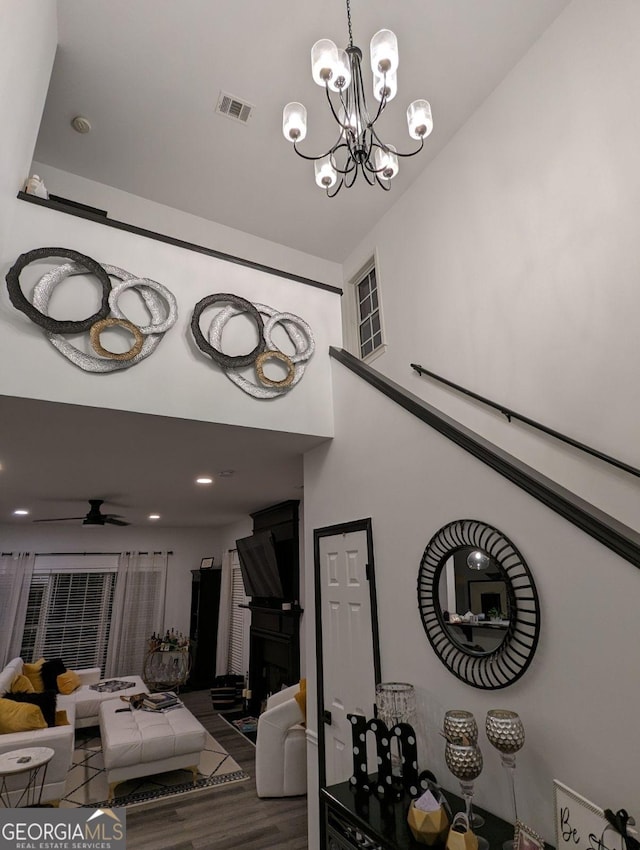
281, 747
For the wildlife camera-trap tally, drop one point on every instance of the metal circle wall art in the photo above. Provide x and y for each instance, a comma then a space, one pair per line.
513, 634
158, 300
297, 330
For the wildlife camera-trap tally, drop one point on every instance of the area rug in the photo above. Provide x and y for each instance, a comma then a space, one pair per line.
87, 783
248, 730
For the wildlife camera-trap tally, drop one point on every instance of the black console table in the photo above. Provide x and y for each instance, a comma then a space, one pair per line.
358, 820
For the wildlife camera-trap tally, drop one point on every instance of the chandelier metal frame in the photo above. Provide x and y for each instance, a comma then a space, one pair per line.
358, 148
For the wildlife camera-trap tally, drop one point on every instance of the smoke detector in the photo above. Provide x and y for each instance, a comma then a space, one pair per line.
234, 108
81, 124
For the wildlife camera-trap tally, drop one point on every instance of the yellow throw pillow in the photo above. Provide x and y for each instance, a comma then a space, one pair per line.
20, 717
21, 685
33, 672
68, 682
301, 698
61, 717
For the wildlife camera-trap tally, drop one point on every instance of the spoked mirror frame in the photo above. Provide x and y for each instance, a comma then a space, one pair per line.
507, 662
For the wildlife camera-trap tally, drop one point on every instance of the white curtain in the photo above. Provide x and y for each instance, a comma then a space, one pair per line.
138, 610
16, 569
224, 617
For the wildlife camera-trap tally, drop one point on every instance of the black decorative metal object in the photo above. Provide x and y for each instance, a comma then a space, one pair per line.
502, 666
225, 360
22, 303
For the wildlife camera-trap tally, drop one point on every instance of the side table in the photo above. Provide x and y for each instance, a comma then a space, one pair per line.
31, 760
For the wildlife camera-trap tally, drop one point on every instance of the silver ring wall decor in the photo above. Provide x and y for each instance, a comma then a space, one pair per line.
159, 301
296, 329
489, 649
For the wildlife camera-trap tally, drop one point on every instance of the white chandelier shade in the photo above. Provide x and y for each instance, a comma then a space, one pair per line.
419, 119
294, 122
359, 149
384, 52
326, 175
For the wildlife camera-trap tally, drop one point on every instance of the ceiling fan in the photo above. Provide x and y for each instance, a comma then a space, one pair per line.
93, 517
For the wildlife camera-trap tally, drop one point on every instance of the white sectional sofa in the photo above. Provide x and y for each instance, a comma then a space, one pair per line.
82, 707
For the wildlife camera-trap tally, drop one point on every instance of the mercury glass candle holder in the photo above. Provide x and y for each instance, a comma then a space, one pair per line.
465, 762
460, 727
506, 733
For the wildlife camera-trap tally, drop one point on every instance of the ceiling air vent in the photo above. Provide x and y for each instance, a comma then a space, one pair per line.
234, 108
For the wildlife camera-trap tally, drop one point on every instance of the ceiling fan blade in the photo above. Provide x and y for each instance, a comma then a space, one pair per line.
113, 521
58, 519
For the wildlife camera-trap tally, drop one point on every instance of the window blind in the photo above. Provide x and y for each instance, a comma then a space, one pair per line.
69, 617
236, 626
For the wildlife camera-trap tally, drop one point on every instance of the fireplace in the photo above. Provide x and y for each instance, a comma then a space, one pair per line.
274, 652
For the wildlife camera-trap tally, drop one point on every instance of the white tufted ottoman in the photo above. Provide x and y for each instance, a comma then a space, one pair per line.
139, 743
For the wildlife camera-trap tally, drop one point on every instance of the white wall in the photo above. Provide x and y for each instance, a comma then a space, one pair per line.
578, 698
177, 379
132, 209
511, 267
28, 36
189, 546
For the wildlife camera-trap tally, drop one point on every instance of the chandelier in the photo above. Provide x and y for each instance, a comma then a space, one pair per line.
358, 148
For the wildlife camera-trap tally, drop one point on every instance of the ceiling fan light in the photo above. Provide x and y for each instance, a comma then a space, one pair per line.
294, 122
419, 119
386, 162
326, 175
385, 84
325, 61
384, 52
341, 78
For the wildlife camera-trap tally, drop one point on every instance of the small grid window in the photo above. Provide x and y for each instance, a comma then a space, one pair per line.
369, 326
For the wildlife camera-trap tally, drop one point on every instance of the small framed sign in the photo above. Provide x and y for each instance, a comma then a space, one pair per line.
581, 825
526, 839
206, 564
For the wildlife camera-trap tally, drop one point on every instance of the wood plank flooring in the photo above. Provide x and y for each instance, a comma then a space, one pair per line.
227, 818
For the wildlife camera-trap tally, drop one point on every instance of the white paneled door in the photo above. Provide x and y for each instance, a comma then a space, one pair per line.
348, 643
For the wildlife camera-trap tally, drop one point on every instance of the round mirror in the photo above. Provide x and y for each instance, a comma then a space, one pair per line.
478, 604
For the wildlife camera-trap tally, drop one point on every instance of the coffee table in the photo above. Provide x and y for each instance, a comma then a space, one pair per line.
31, 760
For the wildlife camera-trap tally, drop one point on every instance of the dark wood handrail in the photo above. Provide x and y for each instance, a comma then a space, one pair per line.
612, 533
511, 414
97, 216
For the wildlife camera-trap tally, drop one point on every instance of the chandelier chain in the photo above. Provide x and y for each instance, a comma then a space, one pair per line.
349, 23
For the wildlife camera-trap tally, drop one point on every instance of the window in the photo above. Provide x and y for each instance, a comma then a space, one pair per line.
368, 314
237, 661
69, 611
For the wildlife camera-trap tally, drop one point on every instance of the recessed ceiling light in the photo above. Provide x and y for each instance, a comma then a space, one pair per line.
226, 473
204, 479
154, 516
21, 512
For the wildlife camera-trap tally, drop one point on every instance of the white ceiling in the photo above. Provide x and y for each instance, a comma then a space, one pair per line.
54, 457
147, 74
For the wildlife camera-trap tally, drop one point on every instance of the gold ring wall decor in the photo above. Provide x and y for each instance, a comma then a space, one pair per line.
262, 358
102, 325
159, 302
511, 627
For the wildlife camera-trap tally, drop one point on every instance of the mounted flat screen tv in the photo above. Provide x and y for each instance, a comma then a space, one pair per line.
259, 566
